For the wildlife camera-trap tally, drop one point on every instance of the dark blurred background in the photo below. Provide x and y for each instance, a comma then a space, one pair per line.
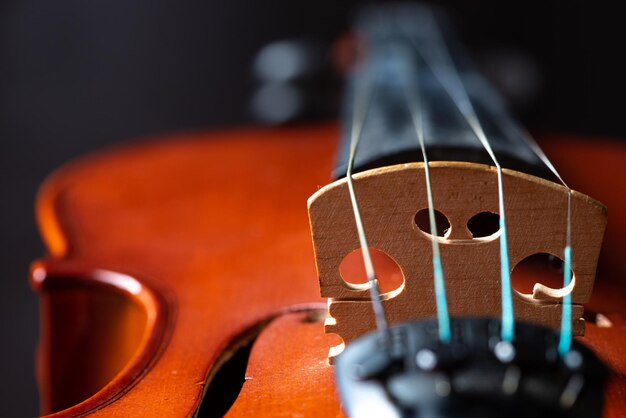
76, 76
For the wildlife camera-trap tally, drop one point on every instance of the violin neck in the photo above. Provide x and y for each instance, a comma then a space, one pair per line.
409, 48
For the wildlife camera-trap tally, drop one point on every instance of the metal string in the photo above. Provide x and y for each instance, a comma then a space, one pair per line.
449, 77
443, 318
565, 339
361, 105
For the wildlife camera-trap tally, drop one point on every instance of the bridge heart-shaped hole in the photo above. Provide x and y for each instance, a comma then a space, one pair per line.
388, 272
538, 268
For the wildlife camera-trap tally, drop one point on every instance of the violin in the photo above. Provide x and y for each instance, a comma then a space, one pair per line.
185, 276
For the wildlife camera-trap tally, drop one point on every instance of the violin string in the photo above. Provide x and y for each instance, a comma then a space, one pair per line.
443, 317
565, 338
448, 76
361, 106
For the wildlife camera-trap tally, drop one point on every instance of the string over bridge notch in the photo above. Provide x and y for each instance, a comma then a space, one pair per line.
390, 198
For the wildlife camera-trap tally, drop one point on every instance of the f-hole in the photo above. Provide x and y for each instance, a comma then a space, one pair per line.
226, 385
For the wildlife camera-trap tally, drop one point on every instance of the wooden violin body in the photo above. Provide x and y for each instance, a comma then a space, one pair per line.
166, 256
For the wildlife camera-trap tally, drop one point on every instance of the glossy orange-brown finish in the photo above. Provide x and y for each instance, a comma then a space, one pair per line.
206, 236
289, 374
94, 324
300, 387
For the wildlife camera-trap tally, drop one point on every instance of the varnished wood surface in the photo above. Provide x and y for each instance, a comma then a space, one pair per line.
275, 388
289, 374
216, 225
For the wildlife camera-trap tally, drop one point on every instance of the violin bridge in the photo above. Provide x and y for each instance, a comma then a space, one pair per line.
391, 197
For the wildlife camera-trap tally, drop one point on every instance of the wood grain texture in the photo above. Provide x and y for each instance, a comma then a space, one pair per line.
214, 227
389, 198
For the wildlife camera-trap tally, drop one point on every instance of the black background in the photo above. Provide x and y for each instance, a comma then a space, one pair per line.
79, 75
